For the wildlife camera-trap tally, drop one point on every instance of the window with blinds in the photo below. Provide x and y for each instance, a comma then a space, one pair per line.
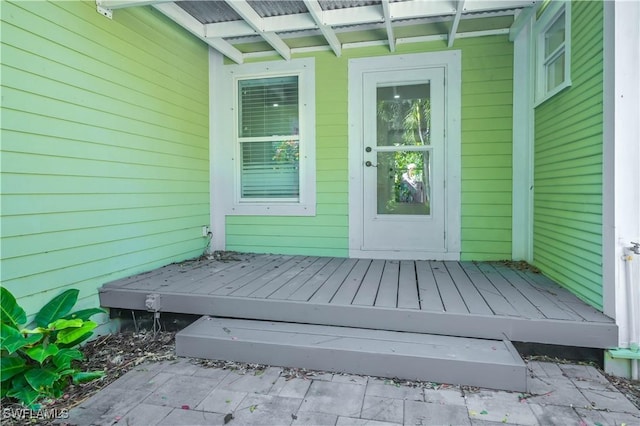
269, 137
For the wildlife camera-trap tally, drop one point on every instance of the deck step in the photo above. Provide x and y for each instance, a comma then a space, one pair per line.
411, 356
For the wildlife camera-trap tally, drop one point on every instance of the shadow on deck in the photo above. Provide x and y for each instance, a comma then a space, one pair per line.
488, 300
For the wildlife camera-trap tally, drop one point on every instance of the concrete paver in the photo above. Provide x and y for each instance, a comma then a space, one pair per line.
343, 399
427, 413
499, 406
180, 391
266, 410
382, 409
184, 393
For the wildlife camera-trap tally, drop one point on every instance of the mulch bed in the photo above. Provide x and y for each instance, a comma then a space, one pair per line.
118, 353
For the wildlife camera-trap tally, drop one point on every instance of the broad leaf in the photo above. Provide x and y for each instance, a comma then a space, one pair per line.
61, 324
23, 391
85, 314
58, 307
40, 353
11, 313
4, 388
87, 376
10, 366
6, 330
41, 378
77, 341
69, 335
18, 341
64, 357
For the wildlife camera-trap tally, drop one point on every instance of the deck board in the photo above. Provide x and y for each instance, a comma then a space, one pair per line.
496, 301
468, 299
544, 304
407, 286
388, 290
290, 287
350, 286
451, 298
329, 288
428, 293
517, 300
368, 290
470, 294
308, 289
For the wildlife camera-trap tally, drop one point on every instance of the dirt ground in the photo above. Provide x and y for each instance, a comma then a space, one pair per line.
118, 353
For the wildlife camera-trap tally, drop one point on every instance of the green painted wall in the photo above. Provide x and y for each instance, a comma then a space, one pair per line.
104, 147
487, 74
568, 166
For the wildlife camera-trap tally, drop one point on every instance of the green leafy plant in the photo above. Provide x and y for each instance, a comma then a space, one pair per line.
37, 362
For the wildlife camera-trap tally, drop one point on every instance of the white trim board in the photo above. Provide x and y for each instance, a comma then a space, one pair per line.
523, 136
451, 61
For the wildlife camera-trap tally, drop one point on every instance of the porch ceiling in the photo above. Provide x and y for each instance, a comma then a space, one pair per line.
241, 29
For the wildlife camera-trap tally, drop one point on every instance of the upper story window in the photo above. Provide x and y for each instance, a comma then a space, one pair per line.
553, 50
270, 134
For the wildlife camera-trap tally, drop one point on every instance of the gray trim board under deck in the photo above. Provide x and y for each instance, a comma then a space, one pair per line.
487, 363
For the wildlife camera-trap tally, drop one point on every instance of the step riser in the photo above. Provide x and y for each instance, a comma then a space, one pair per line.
433, 370
351, 355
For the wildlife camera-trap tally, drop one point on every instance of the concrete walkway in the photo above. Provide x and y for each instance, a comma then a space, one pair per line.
181, 392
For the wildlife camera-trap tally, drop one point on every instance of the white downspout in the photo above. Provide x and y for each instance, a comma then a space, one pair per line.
632, 279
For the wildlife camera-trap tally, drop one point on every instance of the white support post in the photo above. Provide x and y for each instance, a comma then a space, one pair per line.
523, 135
329, 34
454, 24
389, 25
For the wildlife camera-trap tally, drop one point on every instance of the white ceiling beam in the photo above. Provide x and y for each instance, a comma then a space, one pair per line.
121, 4
316, 13
252, 18
487, 5
454, 24
297, 22
191, 24
388, 25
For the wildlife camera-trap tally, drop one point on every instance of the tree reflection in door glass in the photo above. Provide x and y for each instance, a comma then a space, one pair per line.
404, 175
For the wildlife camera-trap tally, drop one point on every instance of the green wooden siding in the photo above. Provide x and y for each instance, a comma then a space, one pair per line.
487, 74
568, 166
105, 157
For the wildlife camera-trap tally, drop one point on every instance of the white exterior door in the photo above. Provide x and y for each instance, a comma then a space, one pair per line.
401, 163
403, 176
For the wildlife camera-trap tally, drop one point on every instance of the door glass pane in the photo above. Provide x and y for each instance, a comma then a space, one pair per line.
404, 183
403, 115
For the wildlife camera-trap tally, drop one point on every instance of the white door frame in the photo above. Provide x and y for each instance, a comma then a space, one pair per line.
451, 62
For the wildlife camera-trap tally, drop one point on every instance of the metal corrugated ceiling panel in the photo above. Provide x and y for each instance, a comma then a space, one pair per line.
266, 8
341, 4
209, 12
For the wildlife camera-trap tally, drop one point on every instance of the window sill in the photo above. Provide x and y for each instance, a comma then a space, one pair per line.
272, 209
539, 101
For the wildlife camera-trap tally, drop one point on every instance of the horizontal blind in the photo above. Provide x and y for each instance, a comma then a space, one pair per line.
270, 169
268, 107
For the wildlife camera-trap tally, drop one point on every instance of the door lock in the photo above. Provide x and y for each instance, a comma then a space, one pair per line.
368, 149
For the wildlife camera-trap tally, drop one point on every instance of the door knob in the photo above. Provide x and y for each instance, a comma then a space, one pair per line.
368, 149
369, 164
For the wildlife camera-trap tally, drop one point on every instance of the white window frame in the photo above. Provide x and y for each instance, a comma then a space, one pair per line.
549, 17
227, 139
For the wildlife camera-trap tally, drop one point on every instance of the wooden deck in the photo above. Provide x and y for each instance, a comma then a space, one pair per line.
469, 299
